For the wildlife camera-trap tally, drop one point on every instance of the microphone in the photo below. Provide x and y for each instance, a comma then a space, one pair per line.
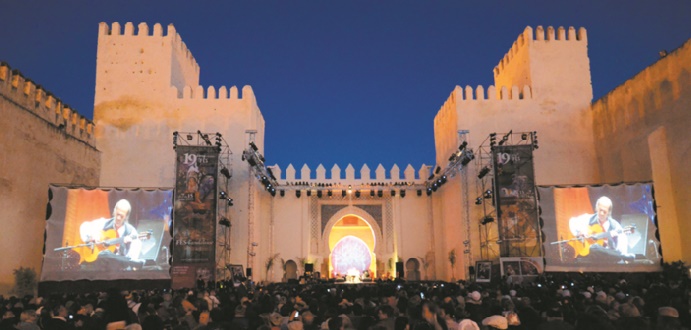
657, 254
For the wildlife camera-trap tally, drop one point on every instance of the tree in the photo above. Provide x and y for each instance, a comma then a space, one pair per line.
24, 281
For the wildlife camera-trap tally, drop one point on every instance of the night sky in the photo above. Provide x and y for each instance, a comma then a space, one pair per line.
339, 81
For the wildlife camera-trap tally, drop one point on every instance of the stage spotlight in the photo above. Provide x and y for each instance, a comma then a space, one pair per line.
309, 192
343, 193
492, 140
224, 222
484, 171
452, 158
283, 193
435, 186
478, 201
419, 192
271, 173
463, 145
443, 179
350, 189
487, 219
436, 171
222, 195
402, 193
319, 194
468, 157
371, 193
298, 193
488, 194
524, 136
225, 172
393, 193
272, 191
189, 137
429, 191
230, 202
329, 193
254, 146
430, 177
357, 193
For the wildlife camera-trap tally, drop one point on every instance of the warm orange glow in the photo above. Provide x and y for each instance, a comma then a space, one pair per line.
351, 225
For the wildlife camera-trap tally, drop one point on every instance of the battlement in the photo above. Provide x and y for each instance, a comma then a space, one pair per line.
540, 34
211, 93
33, 98
143, 31
381, 176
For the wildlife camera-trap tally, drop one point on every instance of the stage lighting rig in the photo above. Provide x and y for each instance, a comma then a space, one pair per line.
204, 137
487, 219
261, 171
484, 171
225, 172
224, 222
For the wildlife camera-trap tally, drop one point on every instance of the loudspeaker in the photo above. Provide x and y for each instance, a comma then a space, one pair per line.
249, 272
309, 268
400, 273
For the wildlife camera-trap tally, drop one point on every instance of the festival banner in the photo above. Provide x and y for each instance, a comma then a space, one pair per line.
194, 215
516, 203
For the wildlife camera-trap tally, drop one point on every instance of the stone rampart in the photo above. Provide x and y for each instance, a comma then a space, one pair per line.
33, 98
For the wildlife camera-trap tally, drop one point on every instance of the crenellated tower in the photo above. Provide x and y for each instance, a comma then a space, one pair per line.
554, 63
149, 61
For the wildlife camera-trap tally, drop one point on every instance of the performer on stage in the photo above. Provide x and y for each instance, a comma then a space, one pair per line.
128, 247
601, 236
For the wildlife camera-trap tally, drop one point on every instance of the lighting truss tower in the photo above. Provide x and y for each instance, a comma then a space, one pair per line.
489, 250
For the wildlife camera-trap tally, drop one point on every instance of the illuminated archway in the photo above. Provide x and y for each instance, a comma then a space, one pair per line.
352, 242
351, 254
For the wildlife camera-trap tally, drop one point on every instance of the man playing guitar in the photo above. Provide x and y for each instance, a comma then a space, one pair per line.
599, 235
113, 238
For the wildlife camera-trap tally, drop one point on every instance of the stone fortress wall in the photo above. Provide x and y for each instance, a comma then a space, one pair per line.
44, 142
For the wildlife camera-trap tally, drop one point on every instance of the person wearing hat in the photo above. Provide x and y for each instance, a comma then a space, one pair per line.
274, 321
475, 308
496, 322
555, 320
668, 318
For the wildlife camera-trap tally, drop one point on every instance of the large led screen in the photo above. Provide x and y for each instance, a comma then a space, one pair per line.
609, 228
105, 234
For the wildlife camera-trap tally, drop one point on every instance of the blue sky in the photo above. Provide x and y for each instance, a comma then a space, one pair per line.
339, 82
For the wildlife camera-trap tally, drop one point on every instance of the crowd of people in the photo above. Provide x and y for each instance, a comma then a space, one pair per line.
581, 301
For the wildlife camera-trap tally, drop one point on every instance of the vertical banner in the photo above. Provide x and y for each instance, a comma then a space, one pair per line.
516, 203
194, 216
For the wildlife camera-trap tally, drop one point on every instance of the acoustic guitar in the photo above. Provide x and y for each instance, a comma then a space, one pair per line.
109, 240
596, 235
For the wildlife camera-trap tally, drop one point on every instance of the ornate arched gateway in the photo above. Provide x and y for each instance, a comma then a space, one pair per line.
350, 232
